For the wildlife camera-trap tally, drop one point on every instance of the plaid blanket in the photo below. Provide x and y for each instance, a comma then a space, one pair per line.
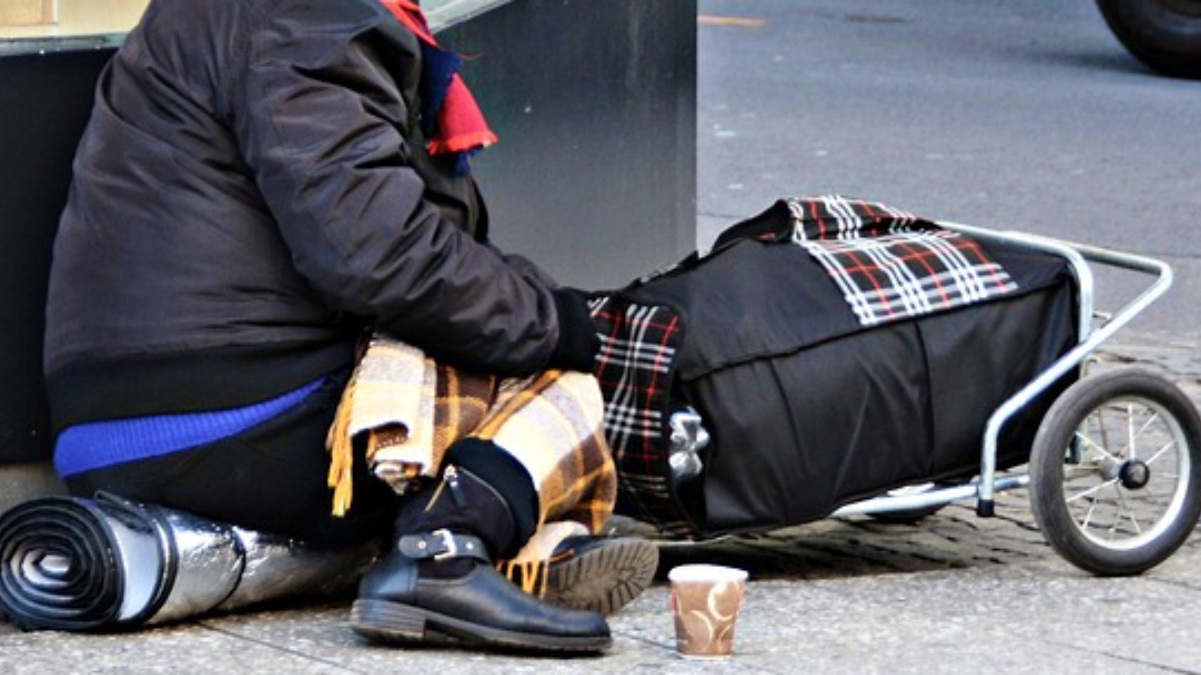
411, 409
635, 367
891, 265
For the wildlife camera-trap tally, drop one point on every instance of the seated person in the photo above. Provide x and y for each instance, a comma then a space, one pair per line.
261, 185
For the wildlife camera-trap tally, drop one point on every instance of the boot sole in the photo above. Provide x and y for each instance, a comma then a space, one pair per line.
603, 579
394, 622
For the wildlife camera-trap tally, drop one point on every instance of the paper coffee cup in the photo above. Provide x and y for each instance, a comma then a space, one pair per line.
706, 600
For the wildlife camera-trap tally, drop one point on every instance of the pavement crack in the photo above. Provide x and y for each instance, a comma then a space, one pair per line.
1125, 659
1174, 584
278, 648
650, 642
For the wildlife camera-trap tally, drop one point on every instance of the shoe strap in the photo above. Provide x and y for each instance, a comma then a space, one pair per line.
442, 544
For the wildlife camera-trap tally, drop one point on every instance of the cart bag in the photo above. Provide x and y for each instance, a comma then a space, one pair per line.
824, 351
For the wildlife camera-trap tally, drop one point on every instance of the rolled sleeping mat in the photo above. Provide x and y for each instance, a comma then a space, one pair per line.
68, 563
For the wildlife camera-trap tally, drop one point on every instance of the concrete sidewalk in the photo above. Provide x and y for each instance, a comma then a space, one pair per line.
951, 594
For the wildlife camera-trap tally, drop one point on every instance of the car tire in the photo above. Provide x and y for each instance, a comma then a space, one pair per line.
1164, 34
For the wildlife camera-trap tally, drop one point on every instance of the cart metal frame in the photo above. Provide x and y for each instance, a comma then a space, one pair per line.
1091, 336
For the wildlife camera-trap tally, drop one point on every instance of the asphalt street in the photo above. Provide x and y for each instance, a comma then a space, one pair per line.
1013, 114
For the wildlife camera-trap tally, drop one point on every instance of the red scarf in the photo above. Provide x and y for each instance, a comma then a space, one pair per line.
461, 127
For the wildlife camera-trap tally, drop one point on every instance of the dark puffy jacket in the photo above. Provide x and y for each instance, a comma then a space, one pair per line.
251, 191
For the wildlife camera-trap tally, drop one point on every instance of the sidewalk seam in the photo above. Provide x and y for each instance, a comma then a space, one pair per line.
286, 650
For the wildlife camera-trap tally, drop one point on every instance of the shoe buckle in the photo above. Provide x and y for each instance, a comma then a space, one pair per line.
450, 548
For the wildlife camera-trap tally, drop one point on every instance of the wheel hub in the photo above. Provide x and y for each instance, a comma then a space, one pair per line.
1134, 474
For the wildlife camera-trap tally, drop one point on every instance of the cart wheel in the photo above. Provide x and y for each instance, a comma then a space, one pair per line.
1115, 472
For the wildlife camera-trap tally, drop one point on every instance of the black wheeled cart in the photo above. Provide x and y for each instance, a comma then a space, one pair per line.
835, 356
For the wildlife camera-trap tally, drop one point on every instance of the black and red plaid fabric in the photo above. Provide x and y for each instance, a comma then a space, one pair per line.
891, 265
634, 367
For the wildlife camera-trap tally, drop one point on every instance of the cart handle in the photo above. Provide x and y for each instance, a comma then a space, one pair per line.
1078, 256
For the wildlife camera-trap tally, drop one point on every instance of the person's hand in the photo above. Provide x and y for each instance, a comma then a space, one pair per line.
578, 341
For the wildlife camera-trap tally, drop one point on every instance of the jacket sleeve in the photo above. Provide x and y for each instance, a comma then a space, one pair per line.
322, 120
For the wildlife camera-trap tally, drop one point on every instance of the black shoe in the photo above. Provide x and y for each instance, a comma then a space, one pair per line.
407, 597
600, 574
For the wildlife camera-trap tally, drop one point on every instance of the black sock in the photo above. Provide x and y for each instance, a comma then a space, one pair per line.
492, 464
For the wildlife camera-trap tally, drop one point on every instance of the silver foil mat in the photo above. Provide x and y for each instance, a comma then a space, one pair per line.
81, 564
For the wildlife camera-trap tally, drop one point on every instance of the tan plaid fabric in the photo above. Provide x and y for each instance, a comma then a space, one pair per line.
554, 425
412, 409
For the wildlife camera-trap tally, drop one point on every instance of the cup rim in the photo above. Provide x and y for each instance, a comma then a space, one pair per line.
705, 572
